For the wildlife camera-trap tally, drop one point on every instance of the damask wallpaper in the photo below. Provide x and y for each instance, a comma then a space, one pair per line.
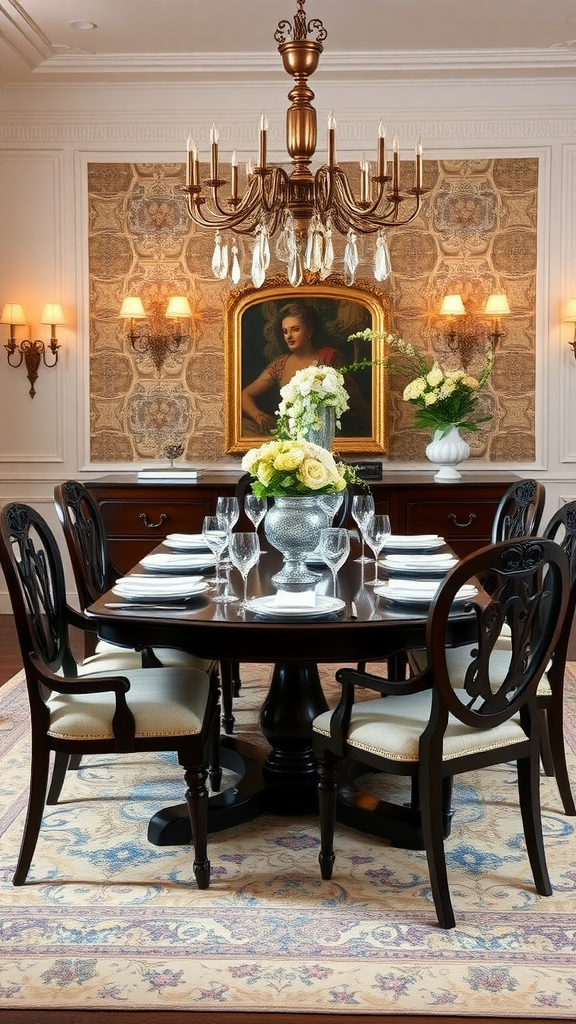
475, 234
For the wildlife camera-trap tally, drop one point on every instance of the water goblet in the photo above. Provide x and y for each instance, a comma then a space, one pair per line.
216, 538
334, 547
376, 530
244, 554
362, 507
228, 513
255, 508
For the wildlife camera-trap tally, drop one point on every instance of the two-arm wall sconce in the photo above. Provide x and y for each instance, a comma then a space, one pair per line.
28, 351
570, 318
465, 339
156, 337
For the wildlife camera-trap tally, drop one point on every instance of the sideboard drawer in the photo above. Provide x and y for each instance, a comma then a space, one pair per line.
154, 518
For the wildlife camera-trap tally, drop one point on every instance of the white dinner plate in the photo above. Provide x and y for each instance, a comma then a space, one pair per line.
186, 542
161, 562
434, 572
420, 596
175, 593
271, 609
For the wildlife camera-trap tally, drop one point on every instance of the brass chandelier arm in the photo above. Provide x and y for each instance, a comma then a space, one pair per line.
247, 214
335, 196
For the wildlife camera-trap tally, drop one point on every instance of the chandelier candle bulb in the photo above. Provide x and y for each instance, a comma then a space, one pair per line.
381, 153
418, 180
189, 162
214, 152
234, 182
331, 140
395, 165
262, 155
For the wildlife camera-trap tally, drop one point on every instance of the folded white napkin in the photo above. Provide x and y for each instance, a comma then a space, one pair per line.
179, 584
296, 599
186, 538
423, 559
420, 589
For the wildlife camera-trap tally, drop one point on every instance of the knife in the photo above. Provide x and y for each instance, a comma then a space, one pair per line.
148, 606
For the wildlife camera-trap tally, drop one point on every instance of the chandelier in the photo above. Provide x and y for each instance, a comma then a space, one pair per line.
301, 209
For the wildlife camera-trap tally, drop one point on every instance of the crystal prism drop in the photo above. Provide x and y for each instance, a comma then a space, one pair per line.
295, 270
235, 271
382, 265
328, 259
217, 255
286, 242
350, 258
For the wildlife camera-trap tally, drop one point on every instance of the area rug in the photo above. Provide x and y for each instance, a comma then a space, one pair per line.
108, 921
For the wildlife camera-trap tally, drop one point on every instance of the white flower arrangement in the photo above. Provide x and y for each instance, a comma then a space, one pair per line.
441, 398
287, 467
309, 391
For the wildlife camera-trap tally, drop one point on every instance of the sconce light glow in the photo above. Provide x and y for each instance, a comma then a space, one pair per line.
452, 305
570, 318
178, 307
158, 336
497, 305
29, 352
132, 308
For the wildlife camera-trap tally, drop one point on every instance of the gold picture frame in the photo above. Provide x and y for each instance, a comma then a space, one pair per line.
252, 342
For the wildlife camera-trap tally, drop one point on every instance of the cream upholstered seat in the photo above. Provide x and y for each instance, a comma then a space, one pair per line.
77, 710
429, 730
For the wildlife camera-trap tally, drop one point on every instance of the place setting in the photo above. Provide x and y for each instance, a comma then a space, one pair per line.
419, 592
158, 593
410, 565
168, 563
186, 542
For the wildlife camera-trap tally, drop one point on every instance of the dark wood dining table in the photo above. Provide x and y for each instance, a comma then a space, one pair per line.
368, 629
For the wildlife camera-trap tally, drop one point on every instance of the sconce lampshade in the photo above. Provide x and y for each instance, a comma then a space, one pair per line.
13, 313
452, 305
497, 305
52, 314
178, 306
570, 317
132, 308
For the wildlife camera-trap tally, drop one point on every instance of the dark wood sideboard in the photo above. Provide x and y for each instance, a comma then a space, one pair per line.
138, 514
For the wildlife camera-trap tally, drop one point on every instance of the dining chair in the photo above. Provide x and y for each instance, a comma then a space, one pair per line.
432, 730
519, 511
107, 712
95, 573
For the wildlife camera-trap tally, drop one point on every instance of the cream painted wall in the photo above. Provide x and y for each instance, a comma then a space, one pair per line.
49, 134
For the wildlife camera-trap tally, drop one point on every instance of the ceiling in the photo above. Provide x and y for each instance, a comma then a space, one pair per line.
167, 40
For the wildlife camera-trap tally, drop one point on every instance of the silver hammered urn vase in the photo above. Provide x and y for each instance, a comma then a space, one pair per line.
292, 526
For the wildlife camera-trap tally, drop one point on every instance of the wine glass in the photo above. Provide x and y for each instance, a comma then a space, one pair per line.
334, 547
244, 554
330, 504
255, 508
216, 538
376, 530
362, 507
228, 513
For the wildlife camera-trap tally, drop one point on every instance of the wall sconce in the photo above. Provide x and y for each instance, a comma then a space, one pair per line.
496, 307
570, 318
466, 338
28, 351
156, 337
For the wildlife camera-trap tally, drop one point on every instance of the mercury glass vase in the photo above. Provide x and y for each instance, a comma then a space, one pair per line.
292, 526
324, 435
447, 450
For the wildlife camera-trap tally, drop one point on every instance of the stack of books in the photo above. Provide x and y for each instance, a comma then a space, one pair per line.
180, 473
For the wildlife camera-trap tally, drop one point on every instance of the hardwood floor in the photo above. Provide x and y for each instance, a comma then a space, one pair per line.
10, 663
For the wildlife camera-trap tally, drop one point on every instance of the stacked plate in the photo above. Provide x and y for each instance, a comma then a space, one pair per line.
413, 542
143, 590
186, 542
420, 592
419, 565
175, 564
274, 607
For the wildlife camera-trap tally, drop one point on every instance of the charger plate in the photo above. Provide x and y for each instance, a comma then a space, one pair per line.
270, 609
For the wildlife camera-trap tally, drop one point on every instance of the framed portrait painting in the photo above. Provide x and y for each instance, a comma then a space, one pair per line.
260, 325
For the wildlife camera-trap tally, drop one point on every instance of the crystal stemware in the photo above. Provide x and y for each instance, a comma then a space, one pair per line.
362, 507
331, 504
334, 547
228, 513
376, 531
216, 537
244, 554
255, 508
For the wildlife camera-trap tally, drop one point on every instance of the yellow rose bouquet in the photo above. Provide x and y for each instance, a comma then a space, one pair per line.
291, 467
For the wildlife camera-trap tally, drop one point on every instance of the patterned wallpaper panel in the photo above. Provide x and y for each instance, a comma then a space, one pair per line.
475, 234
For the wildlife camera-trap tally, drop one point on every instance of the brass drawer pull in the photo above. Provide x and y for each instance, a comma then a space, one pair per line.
471, 518
152, 526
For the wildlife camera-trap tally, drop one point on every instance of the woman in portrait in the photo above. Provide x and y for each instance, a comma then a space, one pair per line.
299, 325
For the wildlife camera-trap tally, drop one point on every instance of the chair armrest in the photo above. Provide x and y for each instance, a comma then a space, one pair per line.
350, 677
123, 724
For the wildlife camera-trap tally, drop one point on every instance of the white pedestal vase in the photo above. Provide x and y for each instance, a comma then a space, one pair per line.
447, 451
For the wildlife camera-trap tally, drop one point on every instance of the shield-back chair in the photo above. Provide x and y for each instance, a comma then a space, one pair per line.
431, 730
